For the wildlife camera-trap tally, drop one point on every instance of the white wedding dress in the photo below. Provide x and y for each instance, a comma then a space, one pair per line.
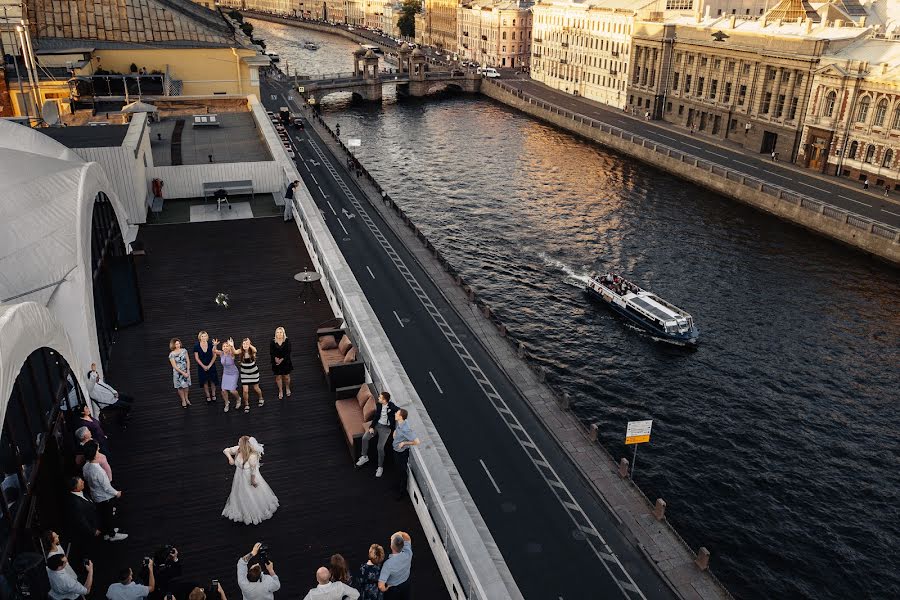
248, 504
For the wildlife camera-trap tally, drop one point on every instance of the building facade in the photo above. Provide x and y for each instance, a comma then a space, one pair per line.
748, 81
496, 35
438, 24
852, 125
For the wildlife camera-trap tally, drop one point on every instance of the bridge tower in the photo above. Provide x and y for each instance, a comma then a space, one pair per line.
357, 57
404, 51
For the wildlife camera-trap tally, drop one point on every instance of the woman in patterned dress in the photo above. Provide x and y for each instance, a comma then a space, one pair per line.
246, 358
181, 374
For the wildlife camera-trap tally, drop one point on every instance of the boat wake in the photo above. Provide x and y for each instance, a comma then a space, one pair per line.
573, 278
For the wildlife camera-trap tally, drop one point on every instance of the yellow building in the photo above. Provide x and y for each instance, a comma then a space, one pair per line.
439, 21
118, 49
494, 34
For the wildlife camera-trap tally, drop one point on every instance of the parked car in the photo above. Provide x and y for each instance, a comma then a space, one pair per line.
488, 72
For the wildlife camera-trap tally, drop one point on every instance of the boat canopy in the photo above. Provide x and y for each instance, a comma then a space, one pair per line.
653, 307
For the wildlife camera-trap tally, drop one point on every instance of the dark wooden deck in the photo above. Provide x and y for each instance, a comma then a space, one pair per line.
169, 463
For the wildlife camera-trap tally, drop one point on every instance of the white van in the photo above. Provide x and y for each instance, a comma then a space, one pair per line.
488, 72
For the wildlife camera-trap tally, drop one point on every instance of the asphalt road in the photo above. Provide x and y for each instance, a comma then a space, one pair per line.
553, 551
871, 204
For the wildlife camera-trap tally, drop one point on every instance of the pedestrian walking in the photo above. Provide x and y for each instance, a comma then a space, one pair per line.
774, 156
205, 357
887, 191
289, 200
647, 115
181, 374
866, 184
403, 439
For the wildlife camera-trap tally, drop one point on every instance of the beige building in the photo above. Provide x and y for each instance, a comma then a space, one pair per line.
438, 24
584, 48
747, 81
176, 48
494, 34
852, 124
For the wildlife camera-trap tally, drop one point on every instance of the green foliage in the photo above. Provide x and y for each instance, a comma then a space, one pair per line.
407, 20
133, 68
237, 16
247, 28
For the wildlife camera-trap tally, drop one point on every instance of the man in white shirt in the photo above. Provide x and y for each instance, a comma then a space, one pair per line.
102, 492
63, 586
254, 584
127, 589
330, 590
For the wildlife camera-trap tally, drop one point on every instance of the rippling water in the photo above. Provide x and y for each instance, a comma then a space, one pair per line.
777, 443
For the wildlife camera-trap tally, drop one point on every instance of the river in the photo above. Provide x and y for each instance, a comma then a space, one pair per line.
776, 444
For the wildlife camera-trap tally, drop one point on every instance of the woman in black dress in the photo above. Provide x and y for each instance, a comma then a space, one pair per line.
280, 351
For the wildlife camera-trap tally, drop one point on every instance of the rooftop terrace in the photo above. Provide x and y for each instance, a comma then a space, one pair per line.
176, 141
170, 466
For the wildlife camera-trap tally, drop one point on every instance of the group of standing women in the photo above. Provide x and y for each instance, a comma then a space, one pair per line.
239, 367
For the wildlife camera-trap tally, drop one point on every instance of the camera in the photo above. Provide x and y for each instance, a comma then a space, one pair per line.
263, 554
146, 561
86, 562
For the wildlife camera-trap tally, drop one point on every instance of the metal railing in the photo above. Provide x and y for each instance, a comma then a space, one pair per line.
781, 193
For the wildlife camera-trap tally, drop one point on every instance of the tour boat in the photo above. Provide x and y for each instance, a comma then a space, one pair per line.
310, 46
648, 311
273, 56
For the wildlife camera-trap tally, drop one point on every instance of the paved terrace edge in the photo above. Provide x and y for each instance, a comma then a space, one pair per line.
431, 464
664, 549
808, 213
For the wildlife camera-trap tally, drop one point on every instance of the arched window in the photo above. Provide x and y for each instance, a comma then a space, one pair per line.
830, 98
880, 112
895, 121
888, 157
870, 153
851, 154
862, 112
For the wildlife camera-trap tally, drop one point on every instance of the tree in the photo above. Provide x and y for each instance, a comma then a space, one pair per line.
407, 20
247, 28
236, 16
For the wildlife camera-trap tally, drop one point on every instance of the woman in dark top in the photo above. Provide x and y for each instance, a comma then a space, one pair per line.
205, 357
369, 573
93, 425
280, 351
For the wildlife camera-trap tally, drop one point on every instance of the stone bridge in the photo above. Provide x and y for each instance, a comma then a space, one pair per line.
411, 78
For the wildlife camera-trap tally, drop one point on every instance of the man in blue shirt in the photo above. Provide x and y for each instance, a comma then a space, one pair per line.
403, 439
394, 578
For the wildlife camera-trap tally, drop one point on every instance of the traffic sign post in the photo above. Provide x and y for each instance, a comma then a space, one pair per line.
638, 432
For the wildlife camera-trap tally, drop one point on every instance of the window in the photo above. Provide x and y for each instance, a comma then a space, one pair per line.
680, 109
733, 125
717, 63
679, 4
828, 109
870, 153
703, 61
785, 76
793, 112
888, 157
851, 154
669, 107
713, 88
766, 103
746, 69
742, 95
700, 86
880, 113
779, 106
895, 120
770, 73
687, 84
675, 79
862, 112
727, 95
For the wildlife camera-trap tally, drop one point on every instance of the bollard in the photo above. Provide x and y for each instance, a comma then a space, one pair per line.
501, 328
565, 402
623, 468
486, 311
459, 279
470, 292
542, 374
702, 561
593, 432
659, 511
521, 350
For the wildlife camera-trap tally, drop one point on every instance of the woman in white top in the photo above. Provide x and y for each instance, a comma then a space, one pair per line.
251, 501
52, 546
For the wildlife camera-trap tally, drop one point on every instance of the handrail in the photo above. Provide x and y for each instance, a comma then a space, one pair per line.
763, 186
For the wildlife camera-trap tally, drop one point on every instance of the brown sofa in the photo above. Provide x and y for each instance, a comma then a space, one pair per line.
339, 357
355, 409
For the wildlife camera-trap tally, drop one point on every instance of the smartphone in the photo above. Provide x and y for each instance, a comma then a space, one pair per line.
215, 585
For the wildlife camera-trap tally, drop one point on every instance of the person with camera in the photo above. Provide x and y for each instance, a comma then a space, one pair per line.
167, 570
254, 584
199, 593
62, 585
128, 589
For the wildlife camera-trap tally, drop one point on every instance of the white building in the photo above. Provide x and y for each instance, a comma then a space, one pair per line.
496, 34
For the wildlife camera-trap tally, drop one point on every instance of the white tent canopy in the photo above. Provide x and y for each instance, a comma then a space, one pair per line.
24, 328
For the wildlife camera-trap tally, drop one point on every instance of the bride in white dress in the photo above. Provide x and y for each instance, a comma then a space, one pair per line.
251, 501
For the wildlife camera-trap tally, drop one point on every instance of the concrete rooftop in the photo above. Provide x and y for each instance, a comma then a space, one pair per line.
236, 139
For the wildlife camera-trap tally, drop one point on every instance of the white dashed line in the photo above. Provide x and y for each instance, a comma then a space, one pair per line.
719, 155
813, 187
321, 191
314, 179
404, 326
890, 213
342, 226
667, 137
491, 477
370, 272
746, 164
328, 202
436, 384
852, 200
777, 175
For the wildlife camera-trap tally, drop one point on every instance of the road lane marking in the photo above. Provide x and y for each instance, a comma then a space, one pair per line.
324, 195
813, 187
436, 384
746, 164
719, 155
402, 325
777, 175
890, 213
307, 166
370, 271
314, 178
852, 200
691, 146
342, 226
668, 137
491, 477
578, 516
328, 202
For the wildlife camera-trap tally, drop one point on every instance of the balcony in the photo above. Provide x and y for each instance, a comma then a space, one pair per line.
466, 33
563, 61
484, 38
565, 44
615, 55
536, 55
538, 41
